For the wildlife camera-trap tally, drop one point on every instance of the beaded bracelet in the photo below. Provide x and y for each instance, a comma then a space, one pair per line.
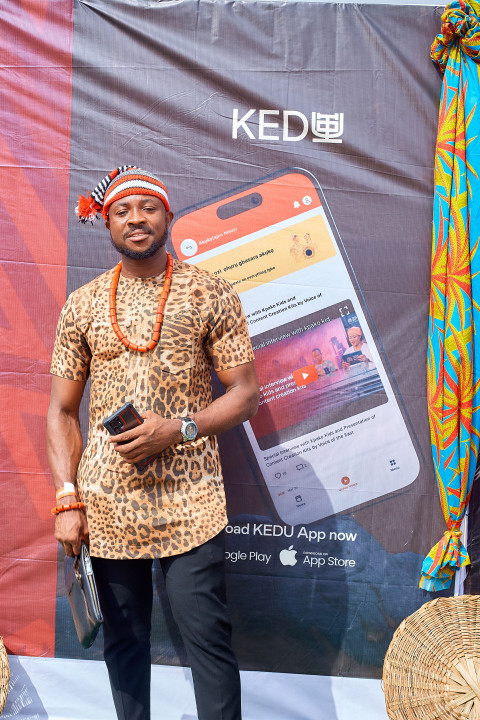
63, 508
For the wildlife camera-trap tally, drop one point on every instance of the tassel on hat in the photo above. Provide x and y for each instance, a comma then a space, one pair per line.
87, 209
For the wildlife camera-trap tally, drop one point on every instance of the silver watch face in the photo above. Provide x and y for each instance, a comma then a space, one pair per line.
190, 430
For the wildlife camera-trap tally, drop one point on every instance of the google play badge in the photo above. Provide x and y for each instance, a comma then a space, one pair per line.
305, 375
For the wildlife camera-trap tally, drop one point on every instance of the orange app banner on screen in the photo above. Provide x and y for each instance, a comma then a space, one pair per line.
224, 222
275, 255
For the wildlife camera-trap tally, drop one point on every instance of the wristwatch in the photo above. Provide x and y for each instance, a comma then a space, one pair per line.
188, 429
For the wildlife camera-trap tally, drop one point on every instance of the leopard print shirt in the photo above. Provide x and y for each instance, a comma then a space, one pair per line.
178, 501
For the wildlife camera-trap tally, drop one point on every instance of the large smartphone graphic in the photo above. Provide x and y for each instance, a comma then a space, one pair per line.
329, 433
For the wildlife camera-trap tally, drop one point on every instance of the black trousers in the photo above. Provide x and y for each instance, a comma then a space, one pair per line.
195, 584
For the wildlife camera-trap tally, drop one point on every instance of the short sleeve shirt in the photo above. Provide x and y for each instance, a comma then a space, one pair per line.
178, 501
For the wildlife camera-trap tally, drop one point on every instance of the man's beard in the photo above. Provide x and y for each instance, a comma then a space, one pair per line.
142, 254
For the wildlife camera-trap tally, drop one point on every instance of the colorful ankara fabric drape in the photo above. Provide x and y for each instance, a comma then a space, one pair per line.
453, 359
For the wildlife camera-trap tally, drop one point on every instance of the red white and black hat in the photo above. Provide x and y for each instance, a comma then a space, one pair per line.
121, 182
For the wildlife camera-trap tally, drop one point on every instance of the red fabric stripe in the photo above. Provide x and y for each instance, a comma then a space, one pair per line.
37, 45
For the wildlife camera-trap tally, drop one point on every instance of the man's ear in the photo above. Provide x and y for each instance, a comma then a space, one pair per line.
168, 217
107, 224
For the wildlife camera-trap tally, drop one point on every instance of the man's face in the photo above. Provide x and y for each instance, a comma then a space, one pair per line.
138, 225
317, 357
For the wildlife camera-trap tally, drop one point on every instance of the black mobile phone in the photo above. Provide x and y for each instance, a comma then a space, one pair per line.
123, 419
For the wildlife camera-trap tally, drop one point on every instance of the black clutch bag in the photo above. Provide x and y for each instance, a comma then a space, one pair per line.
83, 596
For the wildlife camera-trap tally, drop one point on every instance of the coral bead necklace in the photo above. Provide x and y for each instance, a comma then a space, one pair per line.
160, 308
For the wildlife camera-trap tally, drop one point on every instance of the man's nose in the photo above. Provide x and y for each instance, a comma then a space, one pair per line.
136, 216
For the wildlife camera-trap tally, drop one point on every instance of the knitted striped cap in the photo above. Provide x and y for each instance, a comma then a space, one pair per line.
121, 182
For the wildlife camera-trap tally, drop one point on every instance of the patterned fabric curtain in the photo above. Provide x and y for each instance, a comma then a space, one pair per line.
453, 353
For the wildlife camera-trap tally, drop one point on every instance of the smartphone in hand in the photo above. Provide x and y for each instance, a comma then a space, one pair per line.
123, 419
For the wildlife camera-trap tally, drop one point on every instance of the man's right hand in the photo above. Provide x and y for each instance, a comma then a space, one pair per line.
71, 528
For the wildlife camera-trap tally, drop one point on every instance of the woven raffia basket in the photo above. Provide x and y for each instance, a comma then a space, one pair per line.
432, 666
4, 675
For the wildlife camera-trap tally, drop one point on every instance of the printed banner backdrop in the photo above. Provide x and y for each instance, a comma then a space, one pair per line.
35, 97
297, 144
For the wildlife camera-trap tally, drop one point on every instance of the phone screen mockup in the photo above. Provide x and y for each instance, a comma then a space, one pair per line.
329, 434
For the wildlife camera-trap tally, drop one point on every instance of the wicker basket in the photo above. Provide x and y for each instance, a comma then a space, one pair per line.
4, 675
432, 666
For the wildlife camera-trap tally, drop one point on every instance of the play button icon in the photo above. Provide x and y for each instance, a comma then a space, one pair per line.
305, 375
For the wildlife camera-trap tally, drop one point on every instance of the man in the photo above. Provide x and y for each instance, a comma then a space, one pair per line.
149, 333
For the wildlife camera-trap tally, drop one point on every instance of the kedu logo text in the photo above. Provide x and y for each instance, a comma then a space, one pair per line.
294, 125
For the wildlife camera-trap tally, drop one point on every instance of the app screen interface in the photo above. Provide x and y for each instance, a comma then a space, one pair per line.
322, 380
